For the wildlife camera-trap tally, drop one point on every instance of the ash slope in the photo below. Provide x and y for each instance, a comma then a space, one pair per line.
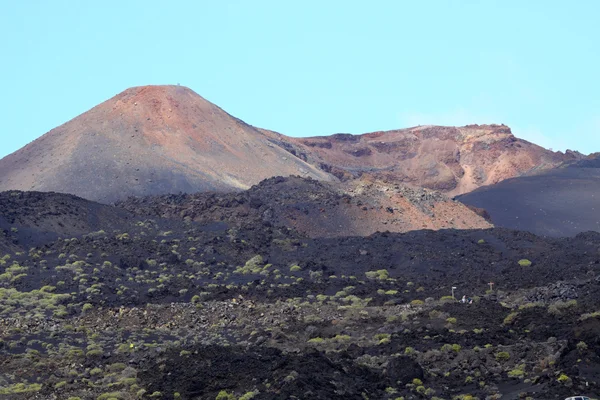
149, 140
158, 307
453, 160
560, 202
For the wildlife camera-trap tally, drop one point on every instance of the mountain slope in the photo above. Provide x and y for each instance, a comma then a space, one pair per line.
154, 140
454, 160
561, 202
34, 218
149, 140
317, 209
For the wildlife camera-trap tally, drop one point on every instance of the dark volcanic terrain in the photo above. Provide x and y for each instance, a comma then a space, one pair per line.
236, 263
187, 297
317, 209
560, 202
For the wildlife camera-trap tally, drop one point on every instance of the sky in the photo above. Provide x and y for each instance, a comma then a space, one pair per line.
306, 68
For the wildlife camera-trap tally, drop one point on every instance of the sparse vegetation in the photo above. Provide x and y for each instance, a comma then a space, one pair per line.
525, 262
269, 312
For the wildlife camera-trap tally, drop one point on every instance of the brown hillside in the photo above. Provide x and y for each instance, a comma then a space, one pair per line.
317, 209
454, 160
149, 140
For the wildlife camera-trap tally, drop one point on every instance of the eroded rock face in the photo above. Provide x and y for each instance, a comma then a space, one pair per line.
454, 160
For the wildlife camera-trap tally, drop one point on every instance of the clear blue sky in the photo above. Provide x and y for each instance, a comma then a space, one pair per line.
313, 67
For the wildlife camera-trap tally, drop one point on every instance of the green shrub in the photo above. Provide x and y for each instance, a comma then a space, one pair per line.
95, 353
223, 395
21, 388
510, 318
451, 347
110, 396
417, 302
248, 395
380, 274
525, 262
341, 338
594, 314
516, 373
582, 347
252, 266
560, 306
116, 367
502, 356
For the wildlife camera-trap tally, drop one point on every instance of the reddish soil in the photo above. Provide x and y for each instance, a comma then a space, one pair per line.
167, 139
454, 160
149, 140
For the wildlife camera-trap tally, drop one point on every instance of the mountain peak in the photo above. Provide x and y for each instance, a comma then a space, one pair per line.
149, 140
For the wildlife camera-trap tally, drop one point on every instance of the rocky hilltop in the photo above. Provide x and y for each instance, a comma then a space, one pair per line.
317, 209
454, 160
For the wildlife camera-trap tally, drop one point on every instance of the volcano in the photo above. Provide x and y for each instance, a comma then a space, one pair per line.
149, 140
154, 140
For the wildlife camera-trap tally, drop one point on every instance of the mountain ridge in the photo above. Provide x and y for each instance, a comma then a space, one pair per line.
152, 140
454, 160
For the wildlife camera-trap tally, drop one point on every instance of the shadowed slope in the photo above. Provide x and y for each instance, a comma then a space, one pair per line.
34, 218
559, 202
149, 140
317, 209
